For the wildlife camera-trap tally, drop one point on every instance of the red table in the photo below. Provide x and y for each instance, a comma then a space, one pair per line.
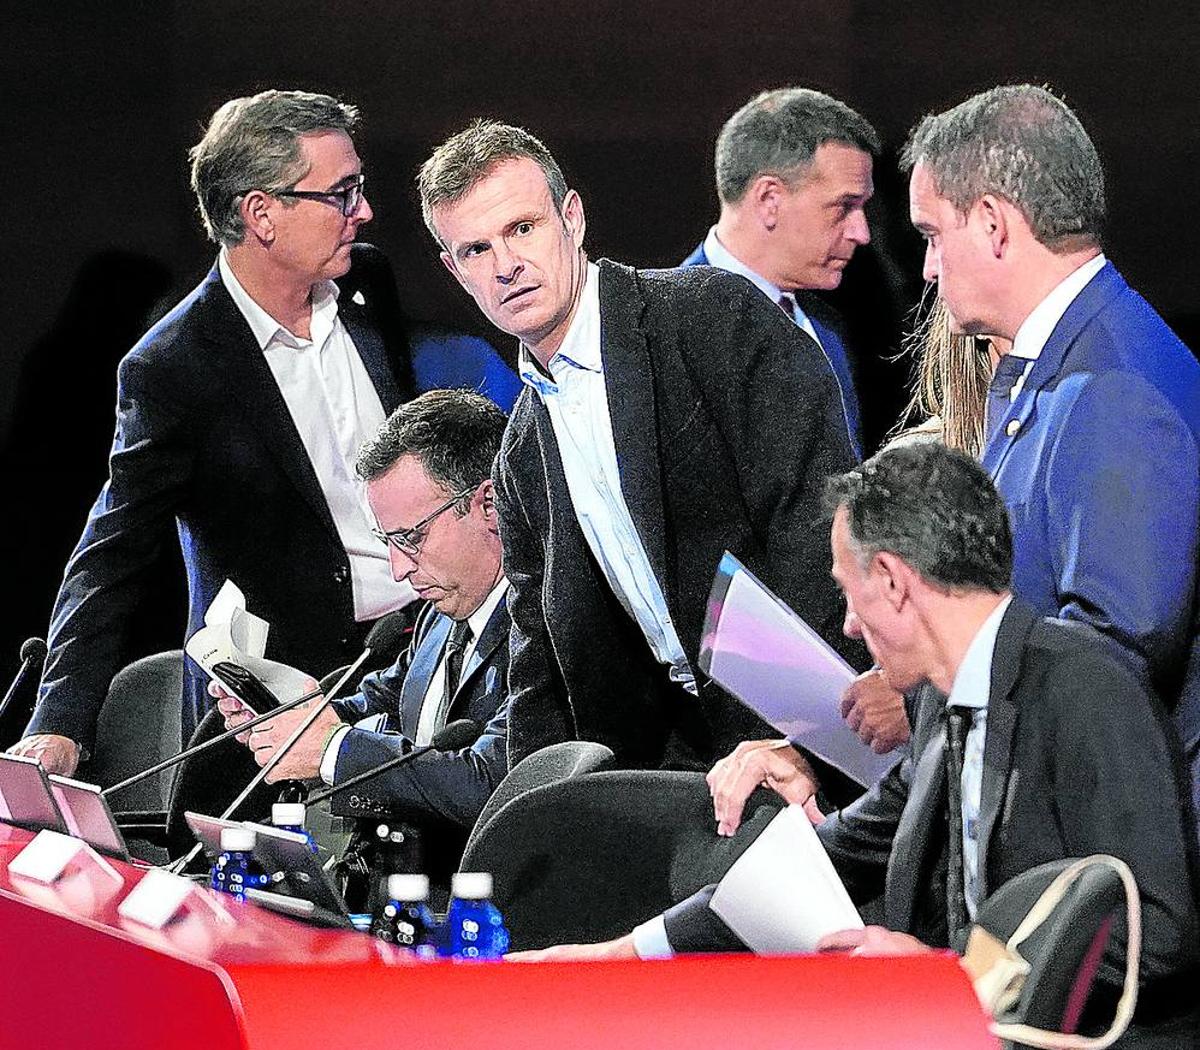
76, 974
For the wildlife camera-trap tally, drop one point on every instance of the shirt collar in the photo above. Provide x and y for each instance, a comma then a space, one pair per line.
973, 682
580, 347
265, 328
1036, 329
478, 620
719, 256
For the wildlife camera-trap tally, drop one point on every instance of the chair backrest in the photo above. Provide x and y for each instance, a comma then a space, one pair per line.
588, 858
561, 761
139, 725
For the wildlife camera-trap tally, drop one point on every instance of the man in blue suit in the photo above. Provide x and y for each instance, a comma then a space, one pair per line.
428, 482
1095, 412
794, 176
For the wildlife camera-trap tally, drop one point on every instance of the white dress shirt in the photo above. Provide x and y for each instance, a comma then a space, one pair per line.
577, 401
1036, 329
971, 689
431, 703
335, 408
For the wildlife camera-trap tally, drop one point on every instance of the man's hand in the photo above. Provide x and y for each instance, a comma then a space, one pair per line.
232, 709
621, 948
872, 940
57, 754
303, 760
875, 711
772, 763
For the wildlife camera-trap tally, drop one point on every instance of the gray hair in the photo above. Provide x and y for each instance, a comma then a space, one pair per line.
778, 132
454, 433
934, 508
1025, 145
465, 159
254, 144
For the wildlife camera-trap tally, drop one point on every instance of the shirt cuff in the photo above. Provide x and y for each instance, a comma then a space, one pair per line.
332, 749
650, 940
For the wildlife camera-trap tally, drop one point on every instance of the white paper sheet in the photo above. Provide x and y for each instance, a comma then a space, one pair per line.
759, 650
232, 634
783, 895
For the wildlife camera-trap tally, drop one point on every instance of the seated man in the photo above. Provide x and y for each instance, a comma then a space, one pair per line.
428, 485
1065, 754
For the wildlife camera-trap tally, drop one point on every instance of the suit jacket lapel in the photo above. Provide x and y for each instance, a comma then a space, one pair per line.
1096, 293
926, 801
629, 384
249, 381
369, 344
420, 673
493, 635
1001, 721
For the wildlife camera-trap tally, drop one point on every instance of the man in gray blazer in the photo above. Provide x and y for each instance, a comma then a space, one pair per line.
667, 417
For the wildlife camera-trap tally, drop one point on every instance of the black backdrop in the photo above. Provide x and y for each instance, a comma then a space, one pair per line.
100, 103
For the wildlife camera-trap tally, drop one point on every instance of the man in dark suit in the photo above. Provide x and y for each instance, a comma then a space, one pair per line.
1095, 411
793, 177
667, 416
238, 418
427, 475
1061, 751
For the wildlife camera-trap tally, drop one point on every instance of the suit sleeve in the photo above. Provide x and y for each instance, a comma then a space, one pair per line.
540, 711
149, 472
776, 401
1122, 491
380, 691
450, 785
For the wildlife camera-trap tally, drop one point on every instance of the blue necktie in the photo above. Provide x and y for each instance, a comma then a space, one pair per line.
1008, 370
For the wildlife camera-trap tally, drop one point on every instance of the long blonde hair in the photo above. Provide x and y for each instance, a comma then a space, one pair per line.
949, 384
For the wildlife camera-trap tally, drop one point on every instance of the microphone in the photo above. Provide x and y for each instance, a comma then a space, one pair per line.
33, 657
385, 635
458, 734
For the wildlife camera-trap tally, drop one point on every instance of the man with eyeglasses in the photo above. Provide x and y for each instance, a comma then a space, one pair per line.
238, 418
427, 479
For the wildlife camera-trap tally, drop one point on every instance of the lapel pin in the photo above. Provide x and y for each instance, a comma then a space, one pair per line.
357, 297
1013, 426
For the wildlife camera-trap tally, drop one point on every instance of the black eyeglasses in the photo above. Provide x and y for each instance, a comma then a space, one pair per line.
408, 541
347, 199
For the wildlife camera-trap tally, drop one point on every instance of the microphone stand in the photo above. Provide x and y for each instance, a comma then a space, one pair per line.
176, 867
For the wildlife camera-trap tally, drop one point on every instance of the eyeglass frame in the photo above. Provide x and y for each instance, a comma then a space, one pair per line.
402, 539
328, 196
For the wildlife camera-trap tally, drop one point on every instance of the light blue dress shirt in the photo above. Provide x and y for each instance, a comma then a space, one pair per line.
576, 398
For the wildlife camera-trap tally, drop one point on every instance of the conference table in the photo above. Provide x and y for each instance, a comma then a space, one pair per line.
225, 974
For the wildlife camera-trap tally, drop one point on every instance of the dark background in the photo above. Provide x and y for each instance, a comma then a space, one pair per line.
101, 102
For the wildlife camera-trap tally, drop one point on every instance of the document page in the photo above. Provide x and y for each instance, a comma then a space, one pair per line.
783, 895
231, 634
759, 650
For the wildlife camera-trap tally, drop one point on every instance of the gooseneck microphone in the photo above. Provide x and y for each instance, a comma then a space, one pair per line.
385, 636
459, 734
33, 656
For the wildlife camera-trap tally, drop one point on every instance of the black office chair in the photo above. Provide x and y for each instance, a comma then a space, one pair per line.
588, 858
139, 725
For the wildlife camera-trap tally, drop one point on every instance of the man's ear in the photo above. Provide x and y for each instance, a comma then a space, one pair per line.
993, 215
764, 195
255, 210
448, 262
892, 576
574, 221
485, 499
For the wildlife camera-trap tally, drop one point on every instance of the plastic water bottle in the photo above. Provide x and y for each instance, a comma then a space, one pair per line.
289, 816
474, 924
236, 870
405, 918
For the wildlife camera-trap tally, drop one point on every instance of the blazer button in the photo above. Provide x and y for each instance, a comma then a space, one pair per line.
1014, 425
341, 574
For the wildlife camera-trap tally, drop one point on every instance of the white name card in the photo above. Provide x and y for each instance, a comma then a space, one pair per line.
51, 854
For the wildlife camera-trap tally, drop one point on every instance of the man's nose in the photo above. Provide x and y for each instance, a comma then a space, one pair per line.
858, 229
929, 271
508, 265
403, 565
364, 212
851, 628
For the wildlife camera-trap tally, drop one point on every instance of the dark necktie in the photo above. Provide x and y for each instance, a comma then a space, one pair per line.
787, 304
456, 645
1008, 370
958, 722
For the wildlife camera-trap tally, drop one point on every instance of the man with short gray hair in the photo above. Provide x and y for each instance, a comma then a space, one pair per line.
1094, 414
793, 173
238, 418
